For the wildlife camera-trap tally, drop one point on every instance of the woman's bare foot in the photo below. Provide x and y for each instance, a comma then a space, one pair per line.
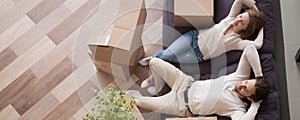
145, 61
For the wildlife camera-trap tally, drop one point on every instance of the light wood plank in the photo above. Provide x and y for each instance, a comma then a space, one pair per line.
16, 91
11, 72
65, 88
74, 81
36, 90
9, 113
73, 22
80, 114
15, 31
5, 5
70, 106
88, 105
6, 57
35, 34
43, 9
81, 55
86, 93
72, 118
81, 48
41, 109
16, 1
16, 12
45, 64
102, 79
74, 5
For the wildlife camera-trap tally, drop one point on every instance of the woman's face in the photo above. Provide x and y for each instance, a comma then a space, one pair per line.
240, 22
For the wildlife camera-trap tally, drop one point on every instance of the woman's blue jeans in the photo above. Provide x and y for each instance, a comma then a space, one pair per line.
183, 50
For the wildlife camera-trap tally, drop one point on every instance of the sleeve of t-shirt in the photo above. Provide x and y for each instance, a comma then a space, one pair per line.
248, 60
249, 115
242, 44
237, 6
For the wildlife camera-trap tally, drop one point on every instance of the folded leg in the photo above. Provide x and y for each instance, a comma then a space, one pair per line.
165, 72
164, 104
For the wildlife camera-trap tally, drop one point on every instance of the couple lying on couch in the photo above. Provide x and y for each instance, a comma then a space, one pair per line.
230, 34
224, 95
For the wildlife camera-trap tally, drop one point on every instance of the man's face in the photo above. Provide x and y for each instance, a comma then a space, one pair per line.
246, 87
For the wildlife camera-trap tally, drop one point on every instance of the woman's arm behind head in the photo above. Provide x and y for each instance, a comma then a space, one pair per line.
256, 21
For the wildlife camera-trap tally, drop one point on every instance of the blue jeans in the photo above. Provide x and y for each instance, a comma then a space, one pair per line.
183, 50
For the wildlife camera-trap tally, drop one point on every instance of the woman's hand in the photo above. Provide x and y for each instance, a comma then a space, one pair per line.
250, 4
258, 42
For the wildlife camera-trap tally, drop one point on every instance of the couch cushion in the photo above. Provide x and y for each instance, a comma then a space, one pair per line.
221, 9
269, 108
269, 70
267, 6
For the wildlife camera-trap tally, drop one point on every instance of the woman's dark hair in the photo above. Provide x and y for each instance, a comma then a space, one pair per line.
256, 22
262, 89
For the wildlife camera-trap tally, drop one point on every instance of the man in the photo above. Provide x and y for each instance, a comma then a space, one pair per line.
223, 96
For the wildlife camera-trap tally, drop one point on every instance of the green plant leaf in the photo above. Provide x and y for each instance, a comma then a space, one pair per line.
110, 105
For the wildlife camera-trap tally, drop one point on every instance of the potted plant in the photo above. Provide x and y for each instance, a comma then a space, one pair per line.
111, 105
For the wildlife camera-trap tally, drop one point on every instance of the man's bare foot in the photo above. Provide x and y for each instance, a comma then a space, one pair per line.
147, 82
152, 90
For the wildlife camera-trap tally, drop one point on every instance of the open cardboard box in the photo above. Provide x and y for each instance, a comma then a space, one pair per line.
120, 44
197, 13
119, 71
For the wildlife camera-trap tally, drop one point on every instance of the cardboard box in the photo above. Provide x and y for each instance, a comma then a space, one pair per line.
124, 47
197, 13
122, 72
120, 45
124, 44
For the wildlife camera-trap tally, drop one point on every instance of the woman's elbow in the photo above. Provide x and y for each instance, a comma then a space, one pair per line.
250, 48
258, 45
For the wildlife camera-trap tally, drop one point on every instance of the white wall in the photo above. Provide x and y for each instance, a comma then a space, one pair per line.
291, 32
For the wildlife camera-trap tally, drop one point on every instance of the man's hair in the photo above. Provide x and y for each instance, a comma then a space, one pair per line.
262, 89
256, 22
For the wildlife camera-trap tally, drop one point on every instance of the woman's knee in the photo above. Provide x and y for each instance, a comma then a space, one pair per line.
166, 55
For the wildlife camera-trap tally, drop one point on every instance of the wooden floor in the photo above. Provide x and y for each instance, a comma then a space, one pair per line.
45, 70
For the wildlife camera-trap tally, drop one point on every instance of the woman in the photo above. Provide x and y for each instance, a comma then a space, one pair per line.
230, 34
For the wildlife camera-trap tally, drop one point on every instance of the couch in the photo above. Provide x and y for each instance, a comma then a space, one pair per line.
227, 63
